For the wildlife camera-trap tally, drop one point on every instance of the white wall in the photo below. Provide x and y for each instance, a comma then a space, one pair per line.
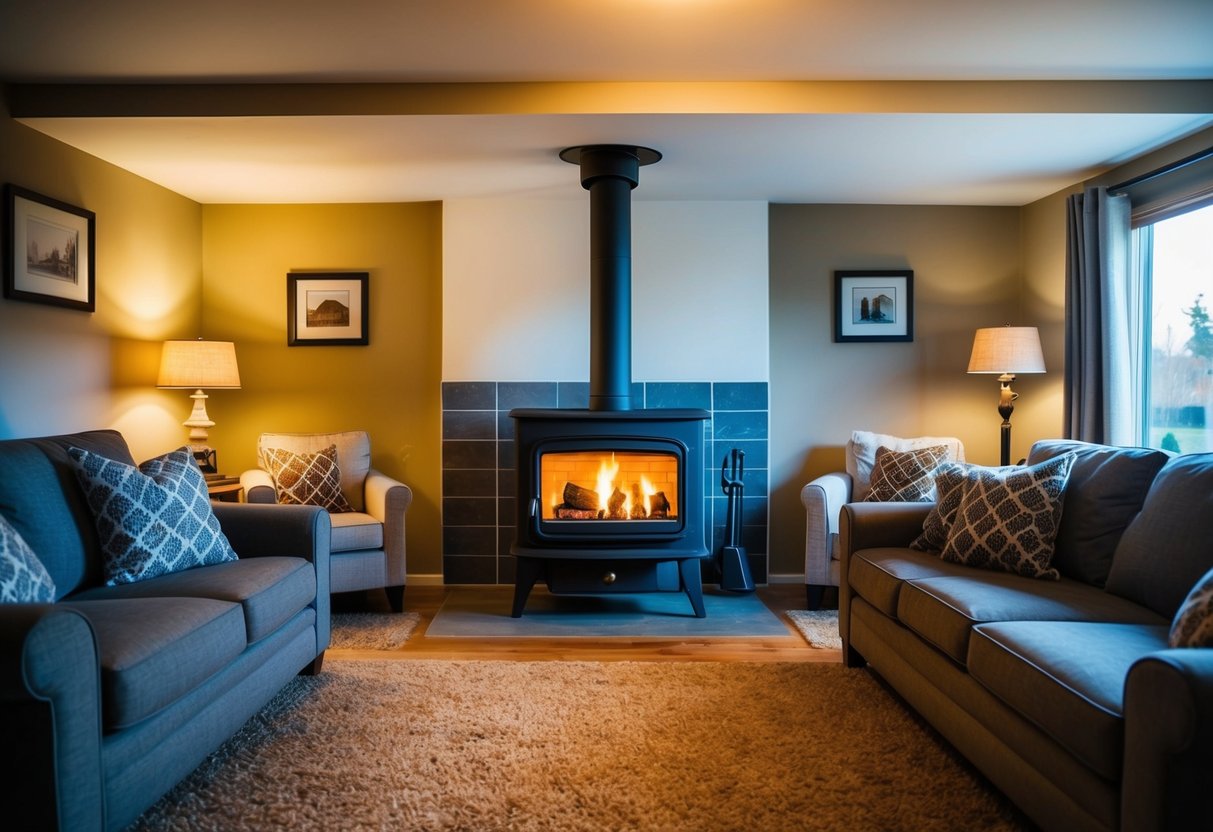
516, 286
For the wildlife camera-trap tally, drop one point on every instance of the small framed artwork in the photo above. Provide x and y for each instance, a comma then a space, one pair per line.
327, 309
874, 305
50, 251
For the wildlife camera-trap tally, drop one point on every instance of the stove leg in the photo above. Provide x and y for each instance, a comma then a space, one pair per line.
527, 572
692, 584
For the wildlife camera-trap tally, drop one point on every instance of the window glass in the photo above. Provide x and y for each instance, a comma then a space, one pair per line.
1176, 259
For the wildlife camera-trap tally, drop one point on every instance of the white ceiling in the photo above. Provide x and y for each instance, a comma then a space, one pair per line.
997, 152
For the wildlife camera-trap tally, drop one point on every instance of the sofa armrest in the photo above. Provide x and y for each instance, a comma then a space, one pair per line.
878, 525
1168, 757
387, 500
870, 526
50, 709
284, 531
823, 498
258, 486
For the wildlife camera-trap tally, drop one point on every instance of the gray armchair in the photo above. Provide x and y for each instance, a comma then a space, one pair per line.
368, 549
824, 497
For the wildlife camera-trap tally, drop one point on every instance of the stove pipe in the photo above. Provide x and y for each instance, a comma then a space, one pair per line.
610, 172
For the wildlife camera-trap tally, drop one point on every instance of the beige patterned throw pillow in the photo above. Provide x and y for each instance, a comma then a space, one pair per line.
949, 477
1193, 625
905, 476
1007, 518
306, 479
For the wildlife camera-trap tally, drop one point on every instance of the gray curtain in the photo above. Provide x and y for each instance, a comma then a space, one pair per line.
1103, 378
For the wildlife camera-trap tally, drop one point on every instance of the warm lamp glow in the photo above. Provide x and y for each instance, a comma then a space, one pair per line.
1006, 350
199, 364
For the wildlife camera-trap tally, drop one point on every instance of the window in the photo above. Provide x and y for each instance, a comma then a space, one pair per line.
1175, 261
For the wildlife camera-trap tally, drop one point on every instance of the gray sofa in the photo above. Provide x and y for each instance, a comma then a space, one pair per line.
1064, 693
111, 694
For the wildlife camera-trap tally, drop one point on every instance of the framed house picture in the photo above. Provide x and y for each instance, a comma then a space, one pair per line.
326, 309
874, 305
50, 251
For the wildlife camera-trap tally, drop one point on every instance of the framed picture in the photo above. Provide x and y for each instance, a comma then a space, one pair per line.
327, 309
50, 251
874, 305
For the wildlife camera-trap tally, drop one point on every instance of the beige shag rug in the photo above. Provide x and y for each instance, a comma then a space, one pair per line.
372, 630
569, 746
819, 627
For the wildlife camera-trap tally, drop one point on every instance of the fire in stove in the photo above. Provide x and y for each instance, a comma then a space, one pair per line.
623, 485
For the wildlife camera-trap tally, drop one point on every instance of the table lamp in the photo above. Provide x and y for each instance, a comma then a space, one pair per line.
197, 365
1007, 350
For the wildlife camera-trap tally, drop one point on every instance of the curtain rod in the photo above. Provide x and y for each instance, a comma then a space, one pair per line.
1200, 156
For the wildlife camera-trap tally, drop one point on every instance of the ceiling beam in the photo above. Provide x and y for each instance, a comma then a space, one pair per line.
767, 97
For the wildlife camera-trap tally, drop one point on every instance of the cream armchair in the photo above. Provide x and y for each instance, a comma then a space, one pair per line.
368, 549
824, 497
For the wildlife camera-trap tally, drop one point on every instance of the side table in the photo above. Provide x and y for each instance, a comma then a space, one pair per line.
225, 489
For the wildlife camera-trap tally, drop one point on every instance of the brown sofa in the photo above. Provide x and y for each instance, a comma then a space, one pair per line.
1064, 693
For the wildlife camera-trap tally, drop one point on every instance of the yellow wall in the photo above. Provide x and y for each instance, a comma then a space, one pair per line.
390, 388
63, 370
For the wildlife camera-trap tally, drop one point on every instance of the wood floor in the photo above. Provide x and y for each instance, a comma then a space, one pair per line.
427, 601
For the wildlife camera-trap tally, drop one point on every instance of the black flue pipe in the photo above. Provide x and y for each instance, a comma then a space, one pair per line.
609, 173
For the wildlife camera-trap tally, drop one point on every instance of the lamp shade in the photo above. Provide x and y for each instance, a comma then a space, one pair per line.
1007, 349
199, 364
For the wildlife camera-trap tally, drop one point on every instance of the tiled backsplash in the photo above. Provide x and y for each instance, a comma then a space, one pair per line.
478, 458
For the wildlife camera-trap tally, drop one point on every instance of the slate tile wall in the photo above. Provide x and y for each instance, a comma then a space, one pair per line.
478, 459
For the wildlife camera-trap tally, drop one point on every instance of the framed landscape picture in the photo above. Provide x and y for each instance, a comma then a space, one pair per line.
325, 309
50, 254
874, 305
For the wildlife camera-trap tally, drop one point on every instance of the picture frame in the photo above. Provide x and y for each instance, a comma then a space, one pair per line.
51, 251
874, 305
327, 309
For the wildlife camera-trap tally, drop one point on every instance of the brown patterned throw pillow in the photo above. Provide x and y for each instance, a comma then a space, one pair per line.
1008, 517
307, 479
1193, 625
905, 476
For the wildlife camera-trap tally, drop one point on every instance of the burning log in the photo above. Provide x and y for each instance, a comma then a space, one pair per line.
580, 498
565, 512
615, 506
659, 506
638, 510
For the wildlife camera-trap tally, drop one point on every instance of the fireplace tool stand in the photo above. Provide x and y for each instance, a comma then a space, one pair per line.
732, 561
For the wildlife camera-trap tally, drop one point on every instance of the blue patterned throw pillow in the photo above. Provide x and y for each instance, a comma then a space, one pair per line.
151, 520
23, 578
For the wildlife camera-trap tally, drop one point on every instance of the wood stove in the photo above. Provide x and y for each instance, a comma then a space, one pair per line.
610, 499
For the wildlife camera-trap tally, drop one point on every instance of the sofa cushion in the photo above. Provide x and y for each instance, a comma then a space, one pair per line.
356, 530
269, 590
42, 499
153, 519
1193, 624
1178, 510
861, 454
306, 479
944, 610
905, 476
353, 456
1008, 517
1105, 491
23, 578
1067, 677
877, 575
155, 650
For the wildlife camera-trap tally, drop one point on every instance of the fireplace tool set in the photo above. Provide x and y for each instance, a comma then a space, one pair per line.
732, 562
